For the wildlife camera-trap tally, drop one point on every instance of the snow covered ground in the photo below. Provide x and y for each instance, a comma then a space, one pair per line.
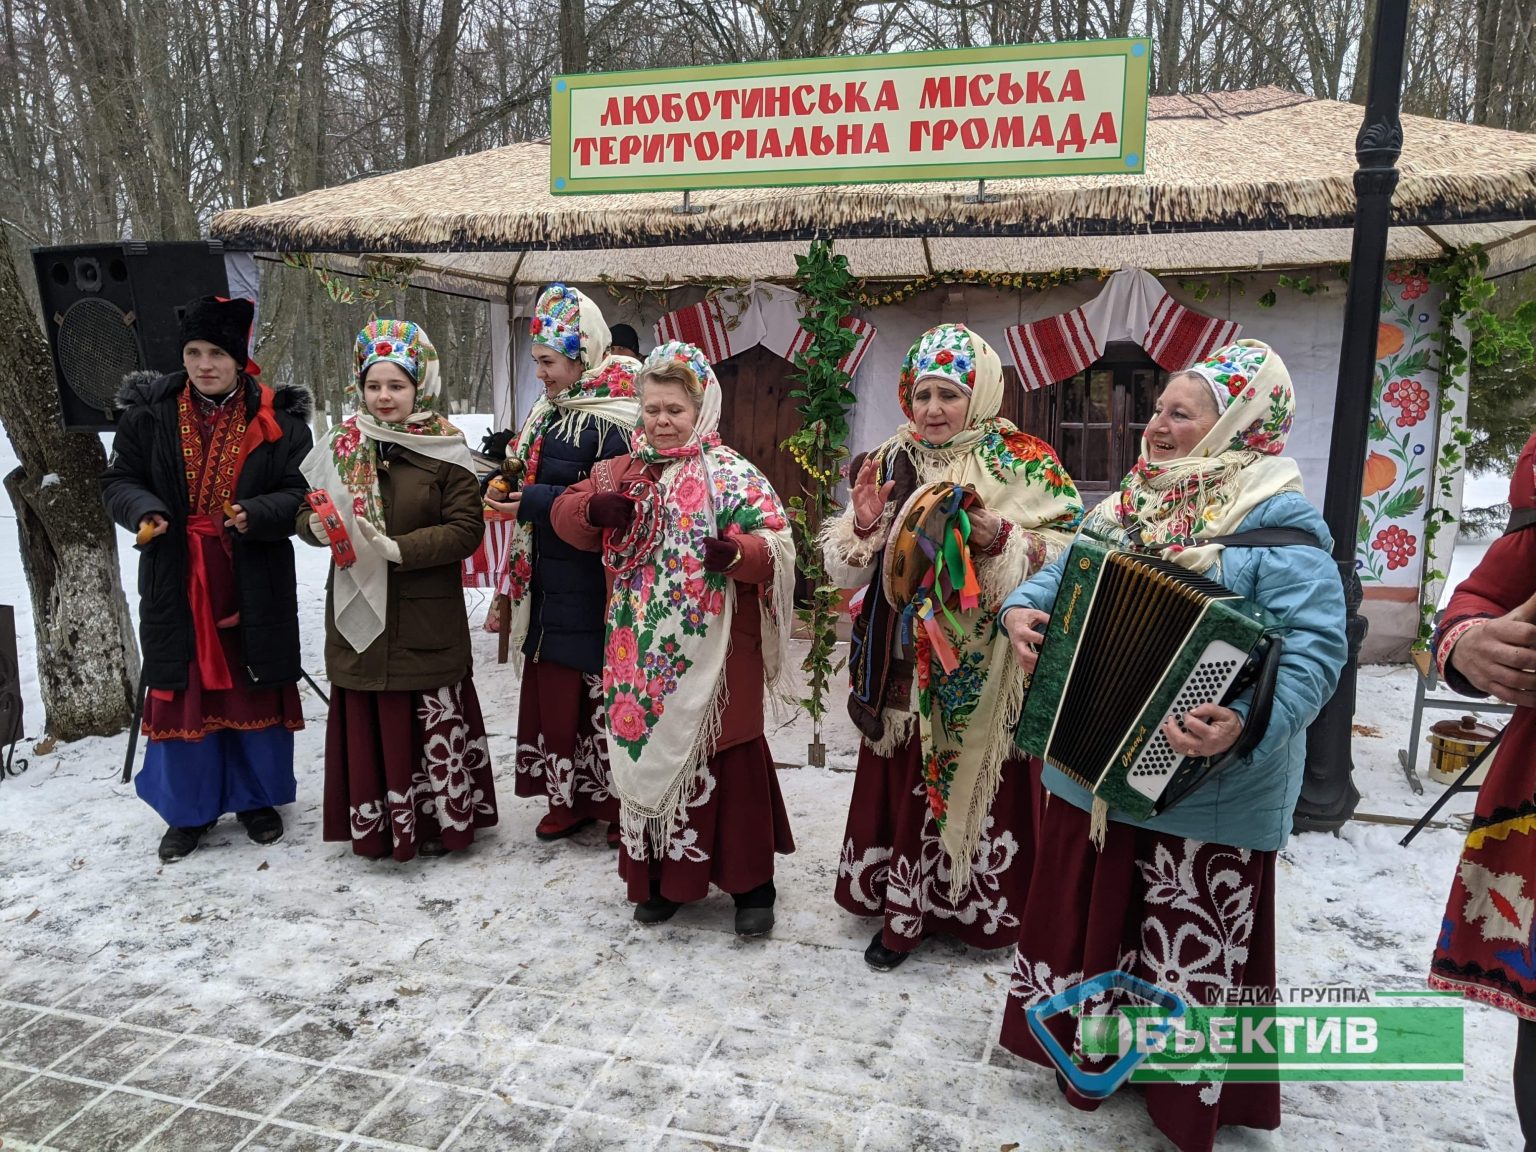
295, 997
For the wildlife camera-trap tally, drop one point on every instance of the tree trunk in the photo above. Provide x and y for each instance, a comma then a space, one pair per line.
86, 655
1363, 56
573, 36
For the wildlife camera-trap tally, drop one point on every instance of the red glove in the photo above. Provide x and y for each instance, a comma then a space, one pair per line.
610, 510
720, 555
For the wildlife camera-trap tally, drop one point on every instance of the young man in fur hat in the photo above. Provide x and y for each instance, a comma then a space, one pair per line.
205, 470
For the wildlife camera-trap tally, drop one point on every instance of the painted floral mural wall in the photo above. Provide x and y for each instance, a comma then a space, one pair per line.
1399, 461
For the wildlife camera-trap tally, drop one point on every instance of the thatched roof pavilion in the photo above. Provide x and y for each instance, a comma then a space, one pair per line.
1254, 179
1257, 182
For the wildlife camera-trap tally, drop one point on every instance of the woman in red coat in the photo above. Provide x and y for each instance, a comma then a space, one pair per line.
701, 574
1486, 646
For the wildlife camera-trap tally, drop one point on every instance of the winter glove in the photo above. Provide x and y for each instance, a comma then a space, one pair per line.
610, 510
382, 544
720, 555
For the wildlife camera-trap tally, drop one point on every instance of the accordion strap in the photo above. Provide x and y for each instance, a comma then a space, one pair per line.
1520, 518
1268, 538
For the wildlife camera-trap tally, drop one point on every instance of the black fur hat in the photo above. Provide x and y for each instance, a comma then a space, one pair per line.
624, 336
224, 323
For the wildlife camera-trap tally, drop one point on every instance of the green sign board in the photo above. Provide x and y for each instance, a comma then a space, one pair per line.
964, 114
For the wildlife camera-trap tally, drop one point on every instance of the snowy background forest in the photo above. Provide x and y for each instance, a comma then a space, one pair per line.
144, 117
295, 998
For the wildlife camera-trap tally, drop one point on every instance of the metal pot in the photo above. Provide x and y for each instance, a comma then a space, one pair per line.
1453, 744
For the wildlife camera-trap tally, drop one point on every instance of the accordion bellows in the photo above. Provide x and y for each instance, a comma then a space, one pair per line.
1132, 640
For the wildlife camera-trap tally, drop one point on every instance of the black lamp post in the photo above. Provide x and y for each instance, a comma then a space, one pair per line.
1328, 795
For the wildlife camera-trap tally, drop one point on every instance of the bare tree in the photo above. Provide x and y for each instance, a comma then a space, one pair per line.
86, 652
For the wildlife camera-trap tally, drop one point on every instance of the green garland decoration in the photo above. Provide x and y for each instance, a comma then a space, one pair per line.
879, 293
1467, 296
820, 447
378, 275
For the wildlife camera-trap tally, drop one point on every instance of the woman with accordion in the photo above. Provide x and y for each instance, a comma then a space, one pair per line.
1185, 899
945, 519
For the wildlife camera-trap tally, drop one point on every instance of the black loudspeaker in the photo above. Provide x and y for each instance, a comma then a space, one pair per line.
112, 309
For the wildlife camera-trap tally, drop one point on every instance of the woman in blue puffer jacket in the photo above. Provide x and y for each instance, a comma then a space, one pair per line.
1185, 899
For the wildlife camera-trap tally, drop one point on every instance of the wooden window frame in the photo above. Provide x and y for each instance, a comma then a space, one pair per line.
1040, 413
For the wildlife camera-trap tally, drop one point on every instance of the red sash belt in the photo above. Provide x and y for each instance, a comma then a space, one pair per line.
212, 666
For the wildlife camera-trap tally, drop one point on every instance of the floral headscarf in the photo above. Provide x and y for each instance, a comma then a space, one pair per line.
947, 352
1170, 507
345, 464
399, 342
989, 453
669, 621
706, 424
566, 320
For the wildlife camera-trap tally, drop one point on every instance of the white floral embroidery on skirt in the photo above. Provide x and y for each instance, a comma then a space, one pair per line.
918, 888
867, 874
444, 784
1199, 959
587, 772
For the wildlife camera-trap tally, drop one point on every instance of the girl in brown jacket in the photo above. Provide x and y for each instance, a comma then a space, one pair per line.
407, 768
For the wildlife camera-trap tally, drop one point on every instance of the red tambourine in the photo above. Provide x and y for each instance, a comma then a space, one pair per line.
335, 531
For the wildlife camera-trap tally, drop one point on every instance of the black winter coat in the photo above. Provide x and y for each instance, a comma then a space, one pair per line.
569, 596
145, 476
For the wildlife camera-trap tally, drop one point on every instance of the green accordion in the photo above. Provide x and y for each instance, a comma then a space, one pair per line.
1132, 640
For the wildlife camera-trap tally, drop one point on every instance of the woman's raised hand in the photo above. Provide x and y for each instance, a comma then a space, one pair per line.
869, 497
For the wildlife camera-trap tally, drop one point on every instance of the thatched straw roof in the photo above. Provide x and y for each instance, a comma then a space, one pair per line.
1233, 179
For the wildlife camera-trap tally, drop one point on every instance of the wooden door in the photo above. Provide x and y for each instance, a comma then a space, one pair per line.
757, 414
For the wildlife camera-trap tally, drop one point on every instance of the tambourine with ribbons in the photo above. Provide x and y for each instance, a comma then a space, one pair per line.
927, 573
336, 536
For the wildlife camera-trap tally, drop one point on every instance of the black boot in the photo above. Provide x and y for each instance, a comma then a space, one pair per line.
180, 842
658, 908
262, 825
881, 958
754, 910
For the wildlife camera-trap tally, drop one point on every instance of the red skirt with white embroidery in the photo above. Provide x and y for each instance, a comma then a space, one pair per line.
894, 865
562, 743
403, 767
1195, 918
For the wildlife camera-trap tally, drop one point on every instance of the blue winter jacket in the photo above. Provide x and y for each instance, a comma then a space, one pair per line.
568, 607
1249, 805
